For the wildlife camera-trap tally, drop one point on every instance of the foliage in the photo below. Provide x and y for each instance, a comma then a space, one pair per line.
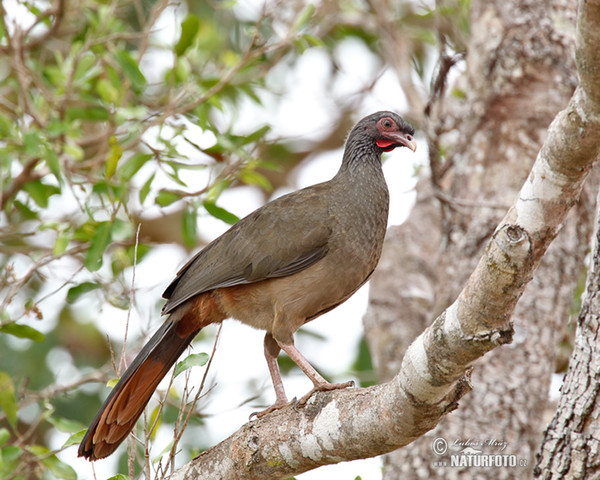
102, 119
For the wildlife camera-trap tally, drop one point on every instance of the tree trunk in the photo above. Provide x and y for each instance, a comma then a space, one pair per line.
520, 72
571, 443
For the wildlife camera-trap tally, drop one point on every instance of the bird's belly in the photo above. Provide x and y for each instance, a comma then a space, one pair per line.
282, 305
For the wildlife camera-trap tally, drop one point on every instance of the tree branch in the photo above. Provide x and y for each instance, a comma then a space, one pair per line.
360, 423
25, 176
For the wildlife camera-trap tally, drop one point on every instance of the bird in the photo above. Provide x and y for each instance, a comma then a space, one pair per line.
283, 265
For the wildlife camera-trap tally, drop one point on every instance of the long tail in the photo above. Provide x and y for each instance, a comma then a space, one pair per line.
121, 409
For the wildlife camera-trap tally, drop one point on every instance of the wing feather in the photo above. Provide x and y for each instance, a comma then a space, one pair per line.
281, 238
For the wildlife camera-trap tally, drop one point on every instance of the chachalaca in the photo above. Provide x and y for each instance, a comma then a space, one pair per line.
283, 265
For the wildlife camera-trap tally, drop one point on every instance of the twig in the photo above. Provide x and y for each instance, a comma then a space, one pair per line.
131, 298
58, 13
55, 390
454, 202
179, 431
27, 175
33, 270
180, 105
155, 13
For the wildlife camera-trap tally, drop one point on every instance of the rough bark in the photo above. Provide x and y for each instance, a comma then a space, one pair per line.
571, 444
519, 73
434, 375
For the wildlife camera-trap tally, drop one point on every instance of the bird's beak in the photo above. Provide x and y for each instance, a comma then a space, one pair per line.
402, 139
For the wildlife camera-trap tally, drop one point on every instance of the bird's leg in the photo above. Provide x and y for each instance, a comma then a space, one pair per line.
320, 384
272, 350
271, 353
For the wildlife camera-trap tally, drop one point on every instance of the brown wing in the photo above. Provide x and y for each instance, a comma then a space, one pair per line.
281, 238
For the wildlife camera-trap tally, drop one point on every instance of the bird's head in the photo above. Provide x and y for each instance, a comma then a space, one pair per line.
386, 130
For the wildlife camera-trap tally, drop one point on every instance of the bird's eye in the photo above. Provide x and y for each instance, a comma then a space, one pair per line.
386, 123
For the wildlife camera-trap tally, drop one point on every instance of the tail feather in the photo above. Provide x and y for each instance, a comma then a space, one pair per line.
124, 405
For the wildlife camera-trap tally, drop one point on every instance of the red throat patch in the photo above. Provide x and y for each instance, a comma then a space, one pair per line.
387, 145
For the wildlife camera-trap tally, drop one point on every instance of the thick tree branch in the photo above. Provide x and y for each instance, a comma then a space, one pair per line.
587, 53
350, 424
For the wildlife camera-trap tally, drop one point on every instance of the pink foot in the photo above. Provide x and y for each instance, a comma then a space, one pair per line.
324, 387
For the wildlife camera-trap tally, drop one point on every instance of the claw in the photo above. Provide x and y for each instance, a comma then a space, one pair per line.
325, 387
271, 409
295, 403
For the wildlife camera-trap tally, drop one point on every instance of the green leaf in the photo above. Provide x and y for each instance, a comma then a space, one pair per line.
60, 244
256, 135
77, 291
162, 453
56, 128
458, 93
58, 468
8, 401
115, 153
131, 69
112, 382
74, 150
193, 360
189, 30
132, 165
53, 162
98, 244
363, 365
301, 45
188, 226
74, 439
9, 459
145, 190
65, 425
174, 173
304, 16
33, 142
248, 90
155, 418
25, 212
312, 40
23, 331
55, 75
166, 197
181, 71
116, 191
220, 213
40, 192
11, 453
121, 230
215, 190
84, 69
230, 58
7, 126
4, 436
118, 476
252, 177
108, 93
91, 113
